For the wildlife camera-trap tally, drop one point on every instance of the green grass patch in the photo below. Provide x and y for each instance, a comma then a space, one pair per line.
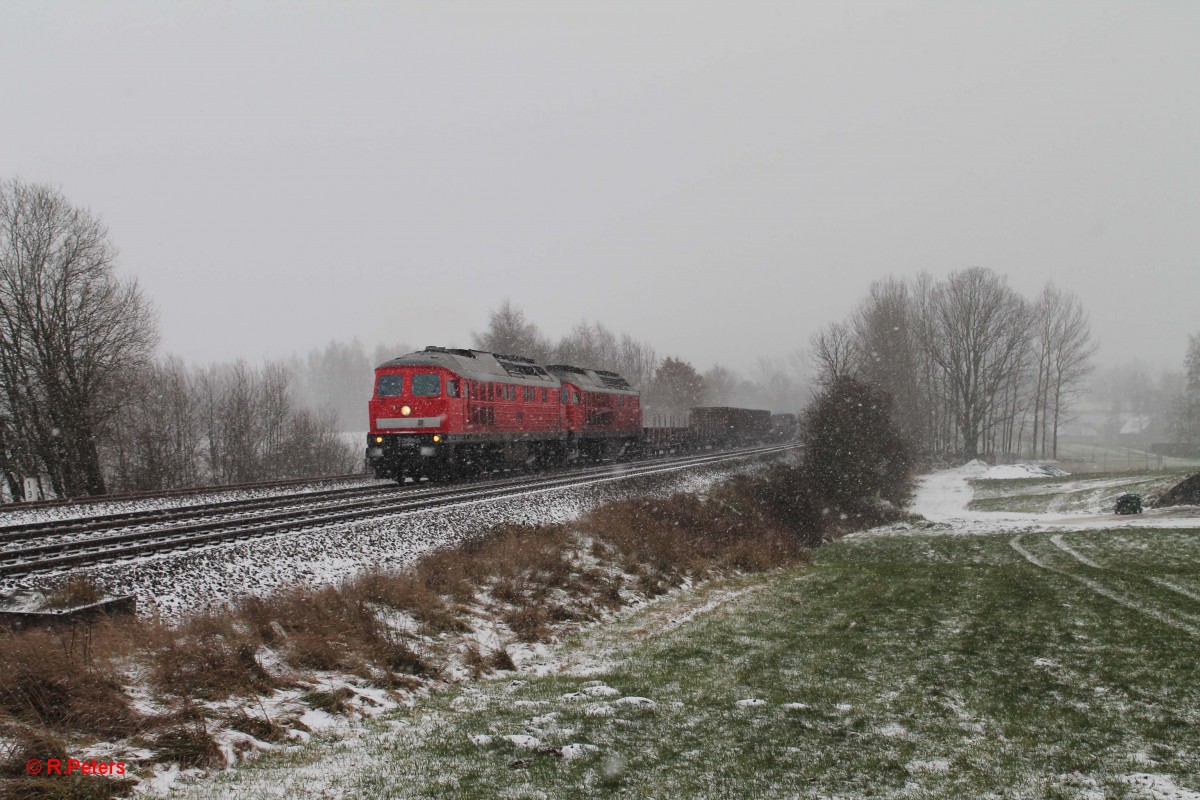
896, 666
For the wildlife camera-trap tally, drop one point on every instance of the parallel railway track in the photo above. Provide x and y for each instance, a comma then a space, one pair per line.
40, 547
158, 494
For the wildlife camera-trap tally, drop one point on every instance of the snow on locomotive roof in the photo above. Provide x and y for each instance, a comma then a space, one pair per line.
591, 378
477, 365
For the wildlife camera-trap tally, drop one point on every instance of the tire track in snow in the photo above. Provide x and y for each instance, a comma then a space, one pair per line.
1057, 541
1098, 588
1166, 584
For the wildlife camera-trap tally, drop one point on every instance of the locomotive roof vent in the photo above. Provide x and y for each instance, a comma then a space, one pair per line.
566, 368
456, 351
613, 381
518, 359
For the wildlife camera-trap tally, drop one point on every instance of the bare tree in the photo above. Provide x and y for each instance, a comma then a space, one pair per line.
588, 345
73, 335
1066, 348
677, 389
834, 353
938, 434
511, 333
720, 386
386, 352
979, 337
156, 442
1185, 423
339, 376
255, 430
637, 362
885, 342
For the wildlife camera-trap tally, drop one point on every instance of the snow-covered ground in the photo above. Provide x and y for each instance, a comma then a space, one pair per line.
329, 767
175, 583
942, 497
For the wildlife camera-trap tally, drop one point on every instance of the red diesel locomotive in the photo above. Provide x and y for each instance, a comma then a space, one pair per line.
445, 412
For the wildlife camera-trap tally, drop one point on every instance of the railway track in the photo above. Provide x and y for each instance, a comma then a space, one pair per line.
158, 494
39, 547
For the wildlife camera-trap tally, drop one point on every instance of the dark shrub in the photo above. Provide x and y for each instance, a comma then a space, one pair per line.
1129, 503
853, 450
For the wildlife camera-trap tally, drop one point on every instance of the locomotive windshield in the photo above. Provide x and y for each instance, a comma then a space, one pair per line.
426, 385
389, 386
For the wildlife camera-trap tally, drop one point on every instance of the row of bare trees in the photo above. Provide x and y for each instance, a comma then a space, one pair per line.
339, 377
971, 365
84, 407
670, 386
228, 423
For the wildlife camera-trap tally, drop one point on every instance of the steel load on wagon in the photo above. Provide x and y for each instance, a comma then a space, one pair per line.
723, 426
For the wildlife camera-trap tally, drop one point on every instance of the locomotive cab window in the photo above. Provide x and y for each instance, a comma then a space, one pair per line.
451, 388
426, 385
389, 386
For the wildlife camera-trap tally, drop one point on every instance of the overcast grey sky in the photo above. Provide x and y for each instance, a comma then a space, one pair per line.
720, 179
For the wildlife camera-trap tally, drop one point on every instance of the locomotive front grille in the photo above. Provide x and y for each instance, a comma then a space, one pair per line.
408, 422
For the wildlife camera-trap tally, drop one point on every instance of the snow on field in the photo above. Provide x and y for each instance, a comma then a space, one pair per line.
1159, 787
942, 497
330, 766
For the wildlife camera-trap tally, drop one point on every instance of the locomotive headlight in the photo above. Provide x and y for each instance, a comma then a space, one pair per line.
378, 440
405, 411
437, 438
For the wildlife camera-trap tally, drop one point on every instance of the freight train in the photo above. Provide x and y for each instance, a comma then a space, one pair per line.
444, 413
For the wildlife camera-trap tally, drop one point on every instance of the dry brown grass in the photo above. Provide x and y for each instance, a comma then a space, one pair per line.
334, 702
501, 660
23, 742
260, 726
529, 623
45, 684
27, 742
536, 580
208, 657
188, 744
62, 787
75, 592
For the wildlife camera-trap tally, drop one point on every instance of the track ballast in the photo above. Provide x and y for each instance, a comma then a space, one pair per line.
31, 548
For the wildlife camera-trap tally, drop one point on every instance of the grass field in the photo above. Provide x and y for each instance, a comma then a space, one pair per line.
911, 666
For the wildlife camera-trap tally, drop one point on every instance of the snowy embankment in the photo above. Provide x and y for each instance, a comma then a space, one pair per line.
172, 584
943, 498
